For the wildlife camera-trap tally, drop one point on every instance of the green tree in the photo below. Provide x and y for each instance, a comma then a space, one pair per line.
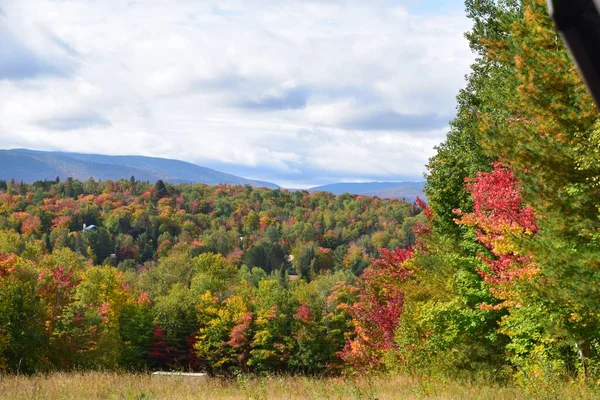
22, 334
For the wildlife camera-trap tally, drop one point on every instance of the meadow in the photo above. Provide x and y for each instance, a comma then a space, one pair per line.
105, 385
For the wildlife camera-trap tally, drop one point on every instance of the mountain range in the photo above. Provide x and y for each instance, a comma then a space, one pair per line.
32, 165
408, 191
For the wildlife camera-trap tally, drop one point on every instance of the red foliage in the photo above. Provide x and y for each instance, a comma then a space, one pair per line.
375, 318
389, 267
235, 257
499, 215
423, 230
128, 252
61, 222
240, 339
105, 311
304, 313
165, 353
57, 289
31, 224
497, 202
194, 206
7, 264
179, 202
265, 222
150, 193
20, 216
61, 280
144, 299
377, 309
426, 209
159, 350
192, 360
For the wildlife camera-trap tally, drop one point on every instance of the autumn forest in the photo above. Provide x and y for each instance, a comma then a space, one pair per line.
496, 275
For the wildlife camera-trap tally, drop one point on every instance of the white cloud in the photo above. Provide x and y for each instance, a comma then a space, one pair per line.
296, 91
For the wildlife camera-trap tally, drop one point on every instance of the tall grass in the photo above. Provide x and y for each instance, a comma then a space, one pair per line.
106, 385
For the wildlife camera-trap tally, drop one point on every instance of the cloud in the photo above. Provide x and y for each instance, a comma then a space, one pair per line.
18, 62
284, 97
63, 45
75, 122
299, 92
220, 11
391, 120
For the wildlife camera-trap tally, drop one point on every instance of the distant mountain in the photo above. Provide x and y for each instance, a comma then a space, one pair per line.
31, 165
385, 190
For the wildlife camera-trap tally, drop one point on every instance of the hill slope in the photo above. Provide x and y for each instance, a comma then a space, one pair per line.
30, 165
396, 190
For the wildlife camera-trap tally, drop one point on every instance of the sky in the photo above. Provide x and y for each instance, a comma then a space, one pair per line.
295, 92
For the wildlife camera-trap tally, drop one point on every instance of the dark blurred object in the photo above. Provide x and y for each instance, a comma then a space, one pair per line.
578, 22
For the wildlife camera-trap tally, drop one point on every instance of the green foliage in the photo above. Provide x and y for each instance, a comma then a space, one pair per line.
22, 342
213, 273
135, 324
176, 311
525, 106
271, 346
452, 336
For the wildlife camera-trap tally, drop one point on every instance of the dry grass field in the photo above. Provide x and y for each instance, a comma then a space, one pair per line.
101, 385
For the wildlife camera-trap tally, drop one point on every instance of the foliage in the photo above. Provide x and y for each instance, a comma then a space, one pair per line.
129, 275
526, 221
376, 310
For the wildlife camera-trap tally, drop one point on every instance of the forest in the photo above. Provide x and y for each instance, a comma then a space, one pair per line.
127, 274
497, 276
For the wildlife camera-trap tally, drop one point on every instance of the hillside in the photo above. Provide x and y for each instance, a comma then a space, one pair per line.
142, 273
30, 166
385, 190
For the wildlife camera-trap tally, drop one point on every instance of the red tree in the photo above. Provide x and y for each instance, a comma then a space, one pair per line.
376, 312
499, 217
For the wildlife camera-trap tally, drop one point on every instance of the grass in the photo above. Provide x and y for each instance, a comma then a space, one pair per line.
106, 385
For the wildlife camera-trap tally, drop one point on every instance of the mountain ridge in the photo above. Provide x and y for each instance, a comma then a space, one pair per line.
397, 190
32, 165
